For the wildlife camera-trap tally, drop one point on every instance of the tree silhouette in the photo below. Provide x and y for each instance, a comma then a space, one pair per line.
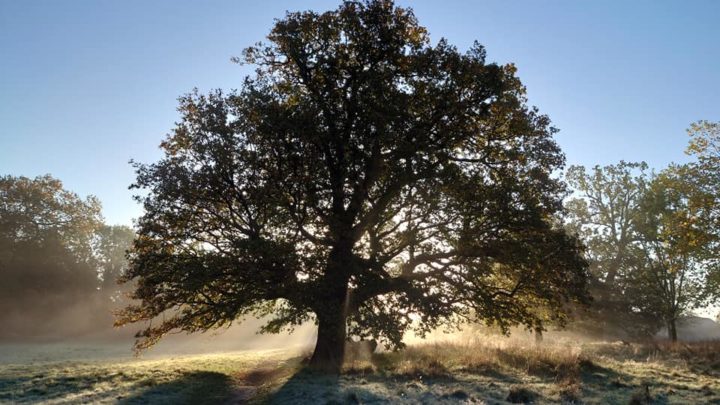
362, 178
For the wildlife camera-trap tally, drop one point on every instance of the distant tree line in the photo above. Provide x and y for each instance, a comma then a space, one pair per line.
58, 261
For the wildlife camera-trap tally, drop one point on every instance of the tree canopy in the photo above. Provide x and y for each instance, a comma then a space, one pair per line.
363, 178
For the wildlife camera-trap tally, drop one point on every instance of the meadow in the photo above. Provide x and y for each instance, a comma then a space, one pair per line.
485, 369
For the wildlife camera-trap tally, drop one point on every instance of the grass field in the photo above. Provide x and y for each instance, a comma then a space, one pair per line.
485, 370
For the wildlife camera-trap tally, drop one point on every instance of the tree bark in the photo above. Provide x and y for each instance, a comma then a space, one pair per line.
329, 352
331, 312
538, 335
672, 331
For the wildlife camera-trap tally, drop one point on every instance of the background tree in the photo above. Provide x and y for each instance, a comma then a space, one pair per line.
363, 178
704, 173
677, 242
705, 146
651, 242
604, 211
111, 245
46, 256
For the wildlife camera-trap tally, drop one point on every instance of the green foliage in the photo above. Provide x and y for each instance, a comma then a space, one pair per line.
362, 177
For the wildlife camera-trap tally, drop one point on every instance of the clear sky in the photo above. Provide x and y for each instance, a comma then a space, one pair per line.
85, 86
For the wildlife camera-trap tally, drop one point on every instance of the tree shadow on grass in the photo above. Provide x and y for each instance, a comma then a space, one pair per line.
89, 387
197, 387
615, 386
310, 387
29, 385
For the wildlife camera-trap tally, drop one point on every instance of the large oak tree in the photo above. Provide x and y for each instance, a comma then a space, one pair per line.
362, 178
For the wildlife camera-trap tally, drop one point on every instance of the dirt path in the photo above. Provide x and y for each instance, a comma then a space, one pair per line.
259, 379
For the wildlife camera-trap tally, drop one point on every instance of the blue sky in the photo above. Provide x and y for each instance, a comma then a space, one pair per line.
85, 86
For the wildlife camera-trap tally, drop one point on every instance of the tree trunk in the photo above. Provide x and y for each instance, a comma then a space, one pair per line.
329, 352
330, 308
331, 312
672, 330
538, 335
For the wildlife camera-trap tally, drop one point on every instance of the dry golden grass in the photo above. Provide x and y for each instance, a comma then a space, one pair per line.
559, 361
560, 371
